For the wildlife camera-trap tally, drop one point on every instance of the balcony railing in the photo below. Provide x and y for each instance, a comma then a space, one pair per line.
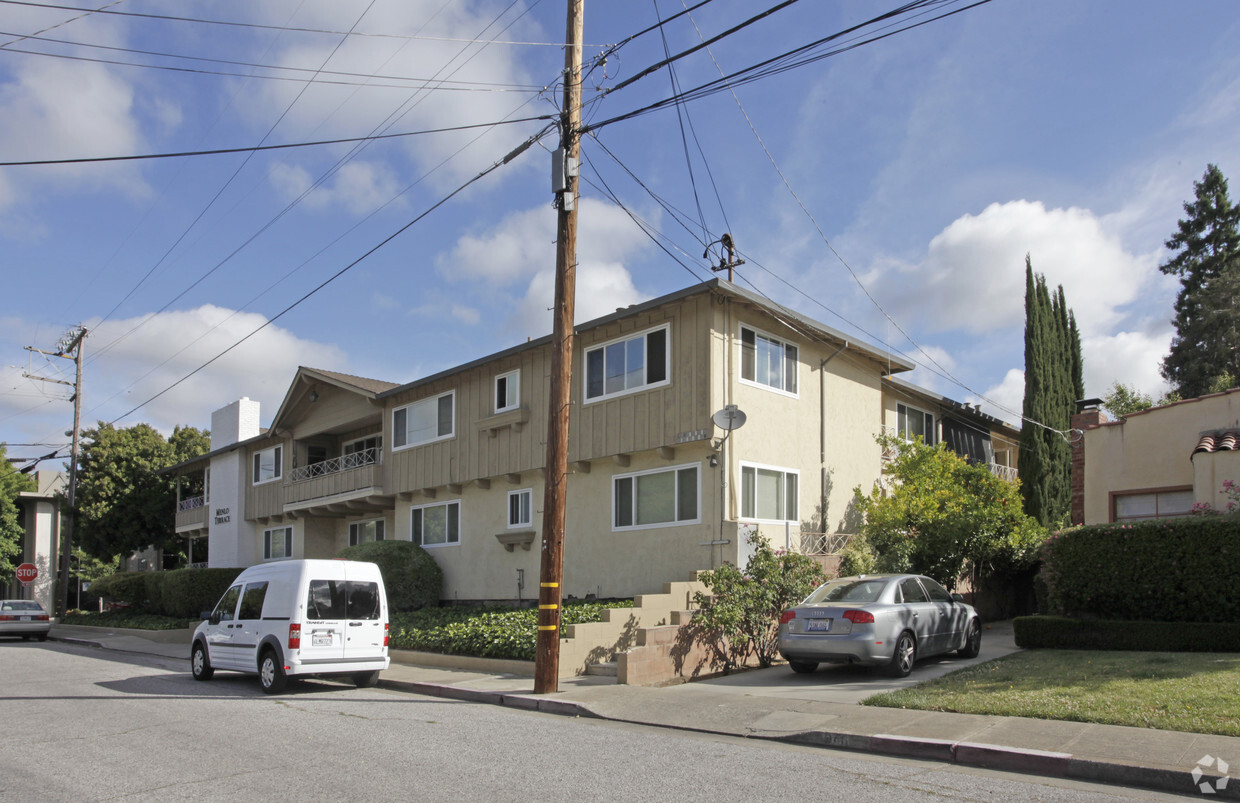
362, 457
824, 543
1008, 473
191, 503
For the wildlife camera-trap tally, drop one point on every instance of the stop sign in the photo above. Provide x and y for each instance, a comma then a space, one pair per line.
26, 573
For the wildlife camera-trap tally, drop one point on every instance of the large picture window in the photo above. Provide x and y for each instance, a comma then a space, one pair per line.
657, 498
768, 361
361, 532
278, 543
914, 423
769, 493
627, 365
267, 464
424, 421
437, 525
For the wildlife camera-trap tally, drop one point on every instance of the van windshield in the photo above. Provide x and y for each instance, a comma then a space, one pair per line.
342, 599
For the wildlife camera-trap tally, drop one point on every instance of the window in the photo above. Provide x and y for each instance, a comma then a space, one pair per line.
912, 591
360, 532
424, 421
914, 423
267, 464
661, 497
519, 508
278, 543
342, 599
361, 452
227, 606
768, 361
437, 525
628, 365
1153, 505
769, 494
252, 601
507, 391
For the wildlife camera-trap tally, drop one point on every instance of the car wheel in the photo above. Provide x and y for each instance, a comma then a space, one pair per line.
972, 641
271, 673
199, 665
904, 657
803, 667
42, 637
364, 680
25, 637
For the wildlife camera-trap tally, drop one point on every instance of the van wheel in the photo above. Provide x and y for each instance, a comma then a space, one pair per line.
904, 656
271, 673
803, 667
364, 680
199, 665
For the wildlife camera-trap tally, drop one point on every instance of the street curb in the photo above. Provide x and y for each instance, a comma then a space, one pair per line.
525, 702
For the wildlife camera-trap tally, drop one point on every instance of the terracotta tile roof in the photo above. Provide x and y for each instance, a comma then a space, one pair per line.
1225, 440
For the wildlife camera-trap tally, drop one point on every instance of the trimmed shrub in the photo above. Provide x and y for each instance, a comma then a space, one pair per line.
1062, 633
1169, 570
129, 588
411, 576
186, 593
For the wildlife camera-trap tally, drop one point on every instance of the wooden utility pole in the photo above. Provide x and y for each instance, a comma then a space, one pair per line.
547, 657
69, 347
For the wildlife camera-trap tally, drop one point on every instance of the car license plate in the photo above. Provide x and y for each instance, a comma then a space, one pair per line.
818, 625
321, 639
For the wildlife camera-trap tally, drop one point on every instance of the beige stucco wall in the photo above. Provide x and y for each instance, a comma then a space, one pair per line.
1153, 450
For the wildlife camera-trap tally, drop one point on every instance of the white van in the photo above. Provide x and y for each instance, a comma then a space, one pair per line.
297, 617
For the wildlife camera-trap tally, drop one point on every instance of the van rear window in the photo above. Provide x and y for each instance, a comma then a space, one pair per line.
341, 599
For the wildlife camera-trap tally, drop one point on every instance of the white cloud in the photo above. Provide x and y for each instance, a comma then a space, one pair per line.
466, 315
1006, 399
602, 288
1131, 358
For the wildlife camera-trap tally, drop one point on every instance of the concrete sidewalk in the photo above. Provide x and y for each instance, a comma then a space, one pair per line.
1140, 757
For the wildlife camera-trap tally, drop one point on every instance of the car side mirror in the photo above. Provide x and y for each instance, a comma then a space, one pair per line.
211, 616
957, 598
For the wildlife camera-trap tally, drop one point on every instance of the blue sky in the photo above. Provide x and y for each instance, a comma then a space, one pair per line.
922, 167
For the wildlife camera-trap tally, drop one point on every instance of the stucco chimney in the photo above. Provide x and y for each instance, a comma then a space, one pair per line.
1089, 415
236, 422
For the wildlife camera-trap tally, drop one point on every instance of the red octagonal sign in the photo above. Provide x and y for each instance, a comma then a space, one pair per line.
27, 572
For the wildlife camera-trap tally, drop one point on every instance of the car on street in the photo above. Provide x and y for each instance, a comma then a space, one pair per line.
25, 618
883, 620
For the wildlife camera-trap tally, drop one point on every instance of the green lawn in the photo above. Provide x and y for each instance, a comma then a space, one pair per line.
1193, 692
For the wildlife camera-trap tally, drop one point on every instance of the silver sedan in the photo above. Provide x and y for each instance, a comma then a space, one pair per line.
25, 618
884, 620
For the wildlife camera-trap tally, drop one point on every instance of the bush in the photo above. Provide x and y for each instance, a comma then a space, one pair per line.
1169, 570
1062, 633
129, 588
858, 557
411, 576
186, 593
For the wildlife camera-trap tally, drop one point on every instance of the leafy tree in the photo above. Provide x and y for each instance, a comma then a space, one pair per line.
1053, 384
944, 517
740, 615
12, 482
1206, 259
123, 503
1123, 400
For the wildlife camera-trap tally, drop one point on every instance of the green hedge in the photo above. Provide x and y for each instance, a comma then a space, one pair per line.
1062, 633
484, 632
180, 593
1172, 570
411, 576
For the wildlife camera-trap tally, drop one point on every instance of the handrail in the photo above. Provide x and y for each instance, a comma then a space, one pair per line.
191, 503
362, 457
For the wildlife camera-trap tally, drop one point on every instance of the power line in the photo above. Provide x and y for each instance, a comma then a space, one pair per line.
286, 146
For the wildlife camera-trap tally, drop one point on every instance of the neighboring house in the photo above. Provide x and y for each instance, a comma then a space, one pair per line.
40, 515
911, 412
656, 490
1156, 463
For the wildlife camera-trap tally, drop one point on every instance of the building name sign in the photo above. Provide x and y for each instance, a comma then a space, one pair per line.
692, 435
222, 515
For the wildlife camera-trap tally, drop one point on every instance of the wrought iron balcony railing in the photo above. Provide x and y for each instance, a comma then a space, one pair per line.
362, 457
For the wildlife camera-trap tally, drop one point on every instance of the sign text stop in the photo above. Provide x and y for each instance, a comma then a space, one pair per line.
26, 573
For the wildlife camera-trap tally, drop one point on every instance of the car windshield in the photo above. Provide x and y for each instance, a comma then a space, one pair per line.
848, 590
21, 605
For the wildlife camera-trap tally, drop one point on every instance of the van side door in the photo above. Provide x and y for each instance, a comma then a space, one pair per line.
249, 626
221, 628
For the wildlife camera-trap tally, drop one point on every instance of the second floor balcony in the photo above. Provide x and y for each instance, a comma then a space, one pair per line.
359, 471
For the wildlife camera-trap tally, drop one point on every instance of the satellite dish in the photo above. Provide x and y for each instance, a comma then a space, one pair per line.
729, 418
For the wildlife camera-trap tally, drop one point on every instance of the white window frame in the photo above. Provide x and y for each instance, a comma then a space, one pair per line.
277, 463
397, 436
355, 531
512, 391
904, 411
749, 507
287, 543
1161, 510
790, 374
417, 513
635, 475
528, 494
602, 349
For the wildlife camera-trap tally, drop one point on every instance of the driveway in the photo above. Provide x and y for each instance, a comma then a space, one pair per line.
842, 683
